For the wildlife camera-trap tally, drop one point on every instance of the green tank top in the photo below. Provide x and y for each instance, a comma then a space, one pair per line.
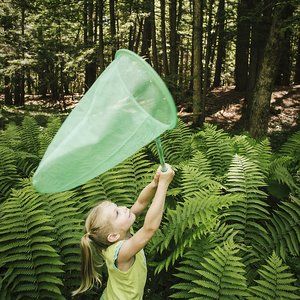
124, 285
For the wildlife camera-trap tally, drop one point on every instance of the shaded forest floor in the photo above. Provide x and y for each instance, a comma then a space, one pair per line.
224, 106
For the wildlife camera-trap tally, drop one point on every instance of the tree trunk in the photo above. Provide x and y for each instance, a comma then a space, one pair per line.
146, 40
20, 78
138, 38
131, 29
259, 116
260, 29
163, 37
284, 69
153, 37
207, 54
197, 61
90, 68
221, 43
7, 24
297, 66
173, 43
112, 28
101, 40
242, 46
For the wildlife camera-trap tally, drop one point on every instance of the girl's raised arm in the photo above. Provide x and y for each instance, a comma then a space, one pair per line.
152, 220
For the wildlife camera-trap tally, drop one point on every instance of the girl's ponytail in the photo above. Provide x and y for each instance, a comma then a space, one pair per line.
89, 275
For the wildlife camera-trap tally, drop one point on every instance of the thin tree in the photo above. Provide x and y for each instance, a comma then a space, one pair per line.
101, 4
173, 42
153, 36
297, 66
221, 43
242, 46
113, 32
163, 37
198, 115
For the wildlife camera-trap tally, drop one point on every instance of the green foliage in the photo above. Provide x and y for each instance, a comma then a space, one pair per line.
219, 226
245, 177
176, 144
219, 275
284, 227
285, 169
192, 219
29, 136
217, 147
275, 282
48, 134
29, 264
8, 172
292, 148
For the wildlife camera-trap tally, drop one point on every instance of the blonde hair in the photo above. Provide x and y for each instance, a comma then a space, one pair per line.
97, 228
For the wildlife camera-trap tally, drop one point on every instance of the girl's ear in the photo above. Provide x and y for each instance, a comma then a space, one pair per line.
113, 237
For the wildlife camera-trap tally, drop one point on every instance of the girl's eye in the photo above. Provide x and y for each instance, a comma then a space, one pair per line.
117, 213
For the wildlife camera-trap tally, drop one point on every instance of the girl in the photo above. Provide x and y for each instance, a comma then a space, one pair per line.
108, 234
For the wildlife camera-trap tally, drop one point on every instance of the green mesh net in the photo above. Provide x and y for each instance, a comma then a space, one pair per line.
126, 108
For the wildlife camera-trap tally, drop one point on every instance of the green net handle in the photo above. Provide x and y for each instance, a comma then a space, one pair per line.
160, 154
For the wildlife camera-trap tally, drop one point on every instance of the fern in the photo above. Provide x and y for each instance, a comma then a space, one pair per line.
193, 257
190, 220
245, 177
29, 136
220, 275
280, 172
176, 144
257, 152
9, 177
195, 182
11, 137
30, 265
291, 148
275, 282
284, 227
217, 146
26, 163
48, 133
67, 225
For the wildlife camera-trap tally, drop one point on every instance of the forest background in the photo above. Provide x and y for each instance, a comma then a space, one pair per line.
234, 203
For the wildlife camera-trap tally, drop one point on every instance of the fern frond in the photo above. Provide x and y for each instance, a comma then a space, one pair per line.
193, 218
280, 172
245, 177
176, 144
26, 163
9, 177
48, 133
219, 275
275, 282
217, 146
285, 228
32, 265
194, 256
257, 152
10, 137
29, 136
292, 147
223, 274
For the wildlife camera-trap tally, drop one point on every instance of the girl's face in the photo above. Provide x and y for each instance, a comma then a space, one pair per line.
120, 216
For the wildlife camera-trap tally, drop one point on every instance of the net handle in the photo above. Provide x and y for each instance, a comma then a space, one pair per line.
160, 154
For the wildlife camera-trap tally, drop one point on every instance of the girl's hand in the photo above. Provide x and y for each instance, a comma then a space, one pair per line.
167, 176
156, 177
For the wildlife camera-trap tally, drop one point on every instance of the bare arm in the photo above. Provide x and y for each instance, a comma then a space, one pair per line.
144, 198
152, 220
